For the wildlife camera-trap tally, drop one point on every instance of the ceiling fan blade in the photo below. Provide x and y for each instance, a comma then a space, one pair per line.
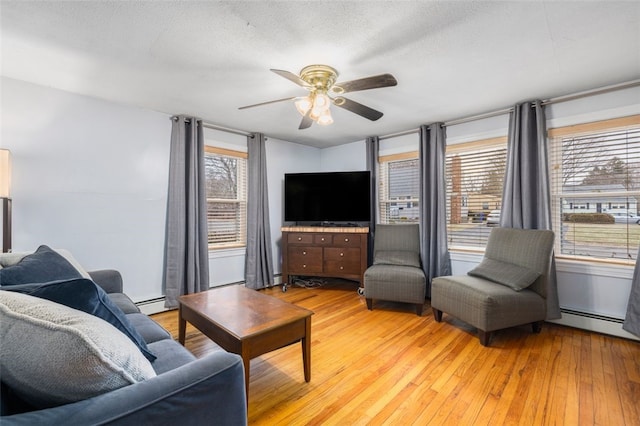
268, 102
375, 82
357, 108
306, 121
292, 77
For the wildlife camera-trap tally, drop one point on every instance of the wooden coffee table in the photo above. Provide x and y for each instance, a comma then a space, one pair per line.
247, 322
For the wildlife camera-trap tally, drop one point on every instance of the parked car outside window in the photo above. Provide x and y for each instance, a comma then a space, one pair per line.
625, 217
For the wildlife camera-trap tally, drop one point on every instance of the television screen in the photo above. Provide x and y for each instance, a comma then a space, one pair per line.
327, 197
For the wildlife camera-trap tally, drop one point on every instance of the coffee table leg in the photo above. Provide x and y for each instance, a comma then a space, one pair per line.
182, 326
306, 349
246, 360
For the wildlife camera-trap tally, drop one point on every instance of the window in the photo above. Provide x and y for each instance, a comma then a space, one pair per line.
596, 189
399, 188
226, 172
474, 179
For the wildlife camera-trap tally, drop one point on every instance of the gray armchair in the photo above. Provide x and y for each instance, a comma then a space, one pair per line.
508, 288
396, 274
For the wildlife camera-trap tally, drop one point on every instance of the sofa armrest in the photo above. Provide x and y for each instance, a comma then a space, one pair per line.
209, 390
109, 279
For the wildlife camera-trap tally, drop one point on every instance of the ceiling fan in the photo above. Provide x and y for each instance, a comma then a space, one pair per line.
320, 81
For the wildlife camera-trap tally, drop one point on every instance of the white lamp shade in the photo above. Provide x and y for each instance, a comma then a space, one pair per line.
5, 173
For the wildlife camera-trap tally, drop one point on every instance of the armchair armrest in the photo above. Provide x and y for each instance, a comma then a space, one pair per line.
109, 279
209, 390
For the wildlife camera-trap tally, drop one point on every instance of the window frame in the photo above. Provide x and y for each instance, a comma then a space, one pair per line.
211, 150
494, 143
555, 136
382, 187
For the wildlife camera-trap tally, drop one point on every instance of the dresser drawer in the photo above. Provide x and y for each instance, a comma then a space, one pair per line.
322, 239
300, 238
305, 259
346, 240
340, 253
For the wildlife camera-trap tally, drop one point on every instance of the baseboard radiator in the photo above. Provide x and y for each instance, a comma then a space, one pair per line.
155, 306
594, 322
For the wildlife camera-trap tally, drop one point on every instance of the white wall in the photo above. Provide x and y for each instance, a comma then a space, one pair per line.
89, 176
344, 158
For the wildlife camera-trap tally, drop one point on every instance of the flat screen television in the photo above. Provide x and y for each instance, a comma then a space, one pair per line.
327, 198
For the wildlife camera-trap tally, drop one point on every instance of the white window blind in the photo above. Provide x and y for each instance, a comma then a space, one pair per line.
226, 177
596, 189
474, 176
399, 189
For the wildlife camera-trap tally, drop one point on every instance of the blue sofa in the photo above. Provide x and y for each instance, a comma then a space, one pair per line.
186, 390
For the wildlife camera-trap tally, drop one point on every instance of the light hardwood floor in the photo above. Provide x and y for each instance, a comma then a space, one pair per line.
389, 366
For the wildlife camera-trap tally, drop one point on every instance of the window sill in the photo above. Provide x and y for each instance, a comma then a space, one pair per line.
597, 267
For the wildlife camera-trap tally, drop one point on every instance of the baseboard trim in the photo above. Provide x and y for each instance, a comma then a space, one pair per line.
150, 307
595, 323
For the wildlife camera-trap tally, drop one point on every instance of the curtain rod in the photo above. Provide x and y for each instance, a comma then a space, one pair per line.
221, 128
579, 95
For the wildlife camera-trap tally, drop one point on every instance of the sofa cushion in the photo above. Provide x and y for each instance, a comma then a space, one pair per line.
43, 265
171, 355
124, 303
86, 296
397, 257
150, 330
52, 354
513, 276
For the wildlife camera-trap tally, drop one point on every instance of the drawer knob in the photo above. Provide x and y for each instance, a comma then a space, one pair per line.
322, 239
304, 252
304, 266
346, 240
341, 254
299, 238
342, 267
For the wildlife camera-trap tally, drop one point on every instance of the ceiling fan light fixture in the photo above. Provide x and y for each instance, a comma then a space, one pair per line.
325, 118
303, 105
321, 102
319, 80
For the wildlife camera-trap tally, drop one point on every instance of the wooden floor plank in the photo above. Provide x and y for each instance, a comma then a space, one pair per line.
390, 367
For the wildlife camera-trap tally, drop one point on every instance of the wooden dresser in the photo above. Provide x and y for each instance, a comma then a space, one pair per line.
324, 252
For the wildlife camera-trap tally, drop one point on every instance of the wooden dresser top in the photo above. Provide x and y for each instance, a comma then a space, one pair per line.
337, 229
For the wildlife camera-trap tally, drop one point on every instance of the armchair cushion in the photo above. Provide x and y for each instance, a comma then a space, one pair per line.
397, 257
80, 356
42, 266
513, 276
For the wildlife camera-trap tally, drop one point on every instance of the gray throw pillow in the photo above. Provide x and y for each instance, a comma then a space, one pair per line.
397, 257
52, 354
86, 296
514, 276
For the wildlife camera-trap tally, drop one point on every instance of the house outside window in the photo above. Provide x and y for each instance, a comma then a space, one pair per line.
226, 189
399, 188
474, 178
595, 171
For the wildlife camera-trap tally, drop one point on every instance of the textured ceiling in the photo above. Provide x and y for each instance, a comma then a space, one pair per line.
451, 59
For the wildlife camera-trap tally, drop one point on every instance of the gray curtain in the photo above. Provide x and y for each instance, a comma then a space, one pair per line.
632, 319
186, 251
434, 253
259, 261
526, 201
373, 148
